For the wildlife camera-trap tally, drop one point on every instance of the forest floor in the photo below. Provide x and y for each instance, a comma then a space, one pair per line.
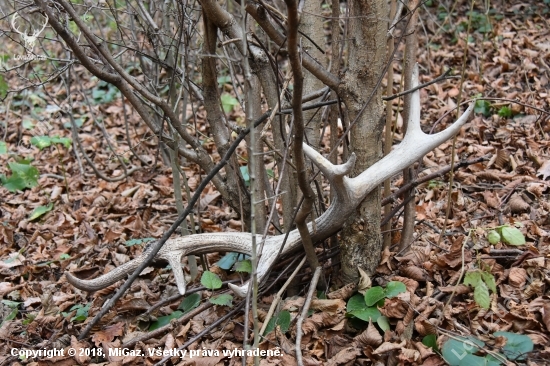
489, 273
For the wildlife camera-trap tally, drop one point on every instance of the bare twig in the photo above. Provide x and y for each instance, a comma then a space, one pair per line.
305, 188
409, 209
279, 295
303, 315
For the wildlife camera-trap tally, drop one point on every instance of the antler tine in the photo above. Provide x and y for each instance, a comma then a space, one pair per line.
35, 34
13, 18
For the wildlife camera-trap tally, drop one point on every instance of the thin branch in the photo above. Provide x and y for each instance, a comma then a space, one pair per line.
444, 76
259, 14
429, 177
299, 161
303, 315
279, 295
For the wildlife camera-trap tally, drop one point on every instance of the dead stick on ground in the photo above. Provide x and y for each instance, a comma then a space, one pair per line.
303, 315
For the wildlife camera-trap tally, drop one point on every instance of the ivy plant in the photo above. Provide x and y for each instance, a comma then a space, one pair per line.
23, 175
365, 307
482, 282
464, 351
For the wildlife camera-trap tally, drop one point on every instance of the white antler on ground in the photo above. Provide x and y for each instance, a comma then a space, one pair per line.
349, 192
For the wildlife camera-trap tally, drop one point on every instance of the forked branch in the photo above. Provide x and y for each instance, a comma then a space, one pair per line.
349, 192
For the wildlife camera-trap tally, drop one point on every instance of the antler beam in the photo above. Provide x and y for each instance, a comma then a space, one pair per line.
349, 192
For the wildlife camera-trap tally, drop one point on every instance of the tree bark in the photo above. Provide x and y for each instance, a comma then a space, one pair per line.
361, 244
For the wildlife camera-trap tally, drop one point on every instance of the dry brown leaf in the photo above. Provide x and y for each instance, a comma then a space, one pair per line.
424, 350
364, 281
327, 305
517, 204
535, 288
458, 289
413, 272
388, 347
410, 283
80, 357
344, 357
502, 158
344, 293
394, 308
370, 337
544, 171
491, 199
409, 355
320, 320
517, 277
108, 334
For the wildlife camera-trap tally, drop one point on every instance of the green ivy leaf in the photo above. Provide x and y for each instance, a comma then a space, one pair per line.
27, 124
23, 176
512, 236
11, 304
493, 237
39, 211
244, 266
81, 312
483, 107
517, 345
356, 302
472, 278
13, 183
3, 87
164, 320
367, 314
41, 142
430, 341
505, 112
226, 79
481, 295
3, 147
489, 280
190, 302
65, 141
283, 321
383, 323
454, 351
373, 295
395, 288
228, 102
223, 299
211, 280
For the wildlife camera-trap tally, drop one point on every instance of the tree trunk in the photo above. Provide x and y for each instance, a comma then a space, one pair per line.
361, 243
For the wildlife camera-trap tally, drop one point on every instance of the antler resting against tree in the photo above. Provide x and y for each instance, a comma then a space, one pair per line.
349, 192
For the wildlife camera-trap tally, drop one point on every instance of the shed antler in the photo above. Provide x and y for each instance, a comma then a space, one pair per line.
349, 192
